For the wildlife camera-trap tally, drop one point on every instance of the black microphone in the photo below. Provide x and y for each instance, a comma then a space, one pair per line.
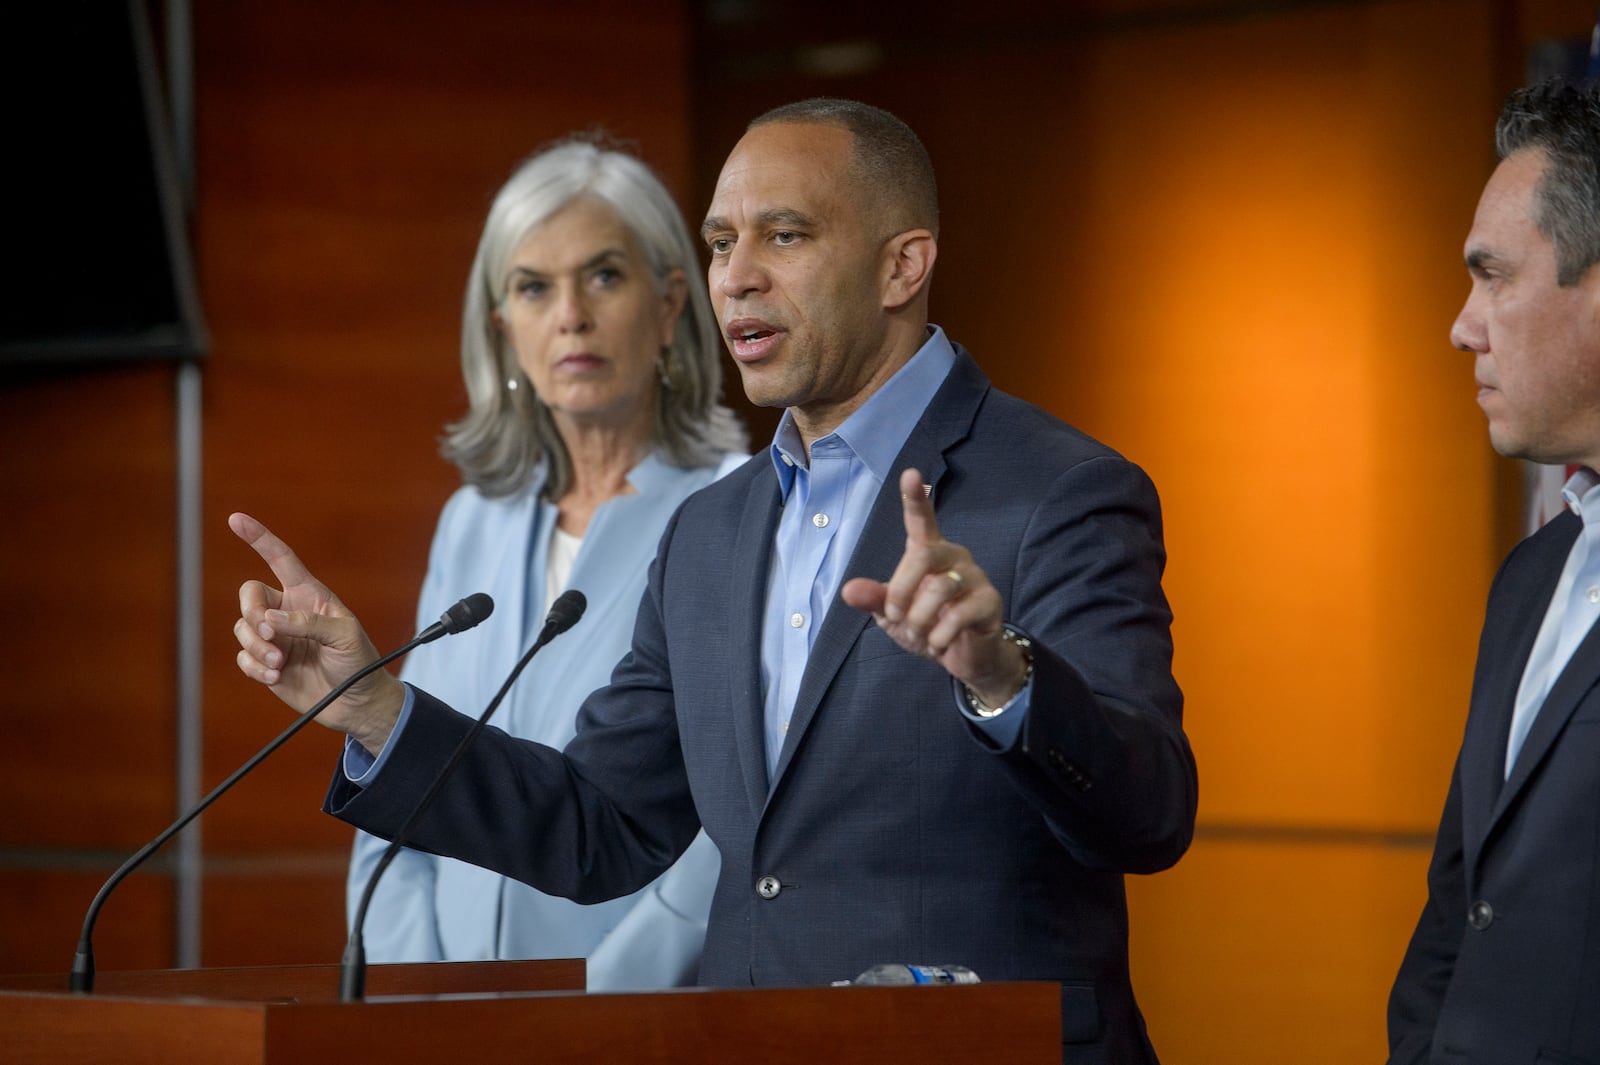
564, 613
465, 614
459, 618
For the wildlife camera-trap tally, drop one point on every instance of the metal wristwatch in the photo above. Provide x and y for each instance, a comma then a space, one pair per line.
1021, 643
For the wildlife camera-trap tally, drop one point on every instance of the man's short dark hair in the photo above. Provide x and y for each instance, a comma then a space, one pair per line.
888, 157
1560, 118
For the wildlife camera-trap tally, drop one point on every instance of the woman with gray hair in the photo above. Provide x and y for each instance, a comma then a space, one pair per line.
593, 375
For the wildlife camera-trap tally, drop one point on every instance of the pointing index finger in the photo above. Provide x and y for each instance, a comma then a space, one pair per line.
921, 525
283, 562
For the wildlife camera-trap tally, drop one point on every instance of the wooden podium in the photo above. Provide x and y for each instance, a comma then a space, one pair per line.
509, 1011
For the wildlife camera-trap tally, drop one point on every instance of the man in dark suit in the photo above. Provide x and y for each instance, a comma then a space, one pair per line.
1504, 966
911, 670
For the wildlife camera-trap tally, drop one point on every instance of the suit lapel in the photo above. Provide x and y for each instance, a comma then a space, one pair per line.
752, 558
946, 421
1483, 749
1580, 674
1486, 792
517, 599
877, 553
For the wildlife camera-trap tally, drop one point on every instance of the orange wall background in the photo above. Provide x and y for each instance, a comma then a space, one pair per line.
1224, 237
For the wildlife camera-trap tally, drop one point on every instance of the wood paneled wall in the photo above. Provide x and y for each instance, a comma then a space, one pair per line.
1223, 237
86, 721
347, 154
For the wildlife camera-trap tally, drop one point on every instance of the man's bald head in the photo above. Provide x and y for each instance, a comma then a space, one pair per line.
890, 164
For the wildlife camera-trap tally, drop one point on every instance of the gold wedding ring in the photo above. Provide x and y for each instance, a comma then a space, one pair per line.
957, 579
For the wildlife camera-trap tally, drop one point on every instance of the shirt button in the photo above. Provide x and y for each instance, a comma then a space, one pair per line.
1594, 594
1480, 915
768, 887
820, 520
797, 620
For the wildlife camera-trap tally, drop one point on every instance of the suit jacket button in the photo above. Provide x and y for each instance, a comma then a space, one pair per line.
1480, 915
768, 887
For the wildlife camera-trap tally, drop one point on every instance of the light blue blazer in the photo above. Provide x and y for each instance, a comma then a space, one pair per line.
428, 908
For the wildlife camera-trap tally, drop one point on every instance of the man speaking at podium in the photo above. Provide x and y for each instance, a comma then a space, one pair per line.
910, 669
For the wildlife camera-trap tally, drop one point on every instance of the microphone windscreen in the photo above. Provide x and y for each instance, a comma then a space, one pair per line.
466, 613
565, 612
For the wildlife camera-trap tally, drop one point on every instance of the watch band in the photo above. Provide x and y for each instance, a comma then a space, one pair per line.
1021, 643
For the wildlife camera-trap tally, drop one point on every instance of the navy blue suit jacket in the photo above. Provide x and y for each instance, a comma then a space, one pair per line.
1504, 966
892, 831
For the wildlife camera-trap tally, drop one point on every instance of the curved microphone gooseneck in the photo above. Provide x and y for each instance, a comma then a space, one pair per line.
462, 616
564, 614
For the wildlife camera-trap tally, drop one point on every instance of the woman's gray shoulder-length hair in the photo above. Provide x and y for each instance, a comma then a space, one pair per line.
507, 432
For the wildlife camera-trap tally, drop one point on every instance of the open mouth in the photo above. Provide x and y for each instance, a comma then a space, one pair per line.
751, 340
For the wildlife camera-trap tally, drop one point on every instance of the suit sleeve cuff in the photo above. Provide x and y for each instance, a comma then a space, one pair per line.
360, 766
1003, 728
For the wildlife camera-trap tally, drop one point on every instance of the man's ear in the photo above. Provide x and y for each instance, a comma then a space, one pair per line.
909, 257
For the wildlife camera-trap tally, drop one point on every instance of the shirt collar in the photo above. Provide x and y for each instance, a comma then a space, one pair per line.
1580, 496
877, 430
651, 473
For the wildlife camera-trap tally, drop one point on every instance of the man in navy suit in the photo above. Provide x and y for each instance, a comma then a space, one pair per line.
910, 669
1504, 966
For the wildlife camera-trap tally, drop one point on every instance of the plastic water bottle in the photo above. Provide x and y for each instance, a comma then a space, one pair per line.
888, 975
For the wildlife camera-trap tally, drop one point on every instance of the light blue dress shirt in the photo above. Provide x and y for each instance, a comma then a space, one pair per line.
437, 909
1574, 607
827, 496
